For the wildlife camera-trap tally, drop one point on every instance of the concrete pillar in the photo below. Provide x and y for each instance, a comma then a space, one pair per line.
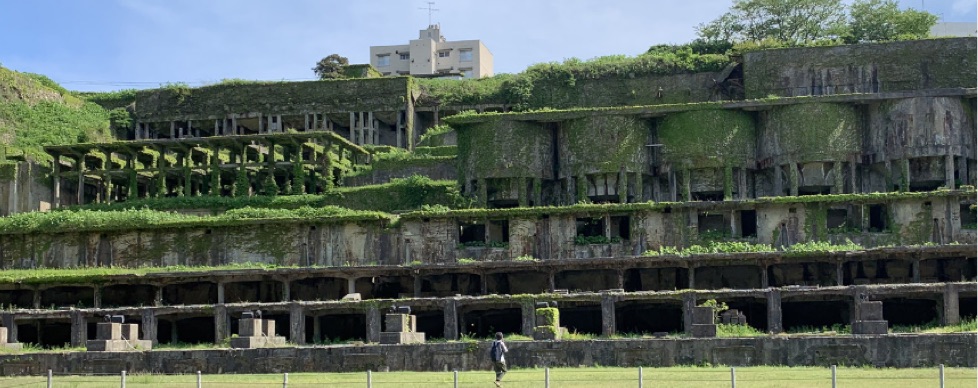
951, 312
37, 299
774, 322
11, 324
234, 126
838, 274
691, 277
220, 292
372, 127
528, 318
353, 126
765, 281
689, 301
417, 286
56, 182
742, 183
158, 297
399, 128
687, 188
79, 328
80, 165
220, 323
483, 285
97, 296
351, 285
373, 324
840, 179
551, 284
778, 185
728, 183
793, 178
949, 171
915, 269
451, 319
904, 174
286, 290
317, 330
297, 324
483, 198
173, 129
148, 325
620, 279
852, 177
608, 323
672, 186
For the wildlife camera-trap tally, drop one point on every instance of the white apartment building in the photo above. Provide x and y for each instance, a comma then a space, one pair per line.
431, 55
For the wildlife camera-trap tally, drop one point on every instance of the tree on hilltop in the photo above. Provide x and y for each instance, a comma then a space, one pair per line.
882, 20
330, 66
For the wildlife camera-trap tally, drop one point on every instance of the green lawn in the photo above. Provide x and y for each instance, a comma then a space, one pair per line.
694, 377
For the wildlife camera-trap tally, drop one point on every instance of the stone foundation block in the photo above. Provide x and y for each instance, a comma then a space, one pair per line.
393, 338
3, 335
869, 327
118, 345
549, 333
257, 342
108, 331
703, 331
130, 331
400, 323
703, 316
871, 311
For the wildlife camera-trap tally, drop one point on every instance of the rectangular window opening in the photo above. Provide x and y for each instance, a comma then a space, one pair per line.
444, 54
383, 60
837, 219
712, 226
465, 55
498, 233
969, 218
590, 231
621, 228
472, 234
877, 218
405, 56
748, 223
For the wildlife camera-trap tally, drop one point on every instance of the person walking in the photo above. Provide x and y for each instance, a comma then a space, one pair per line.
497, 353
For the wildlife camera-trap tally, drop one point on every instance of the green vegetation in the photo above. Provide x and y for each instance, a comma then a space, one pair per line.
606, 377
733, 331
526, 258
101, 274
144, 219
935, 327
398, 195
428, 138
35, 111
330, 67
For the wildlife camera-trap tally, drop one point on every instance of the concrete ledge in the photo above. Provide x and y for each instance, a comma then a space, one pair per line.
892, 350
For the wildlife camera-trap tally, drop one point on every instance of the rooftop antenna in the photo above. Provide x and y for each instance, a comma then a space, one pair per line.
430, 10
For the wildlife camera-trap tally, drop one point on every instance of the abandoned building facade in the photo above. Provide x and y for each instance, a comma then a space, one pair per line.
599, 203
432, 56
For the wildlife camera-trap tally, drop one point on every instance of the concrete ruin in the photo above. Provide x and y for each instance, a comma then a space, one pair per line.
615, 196
116, 336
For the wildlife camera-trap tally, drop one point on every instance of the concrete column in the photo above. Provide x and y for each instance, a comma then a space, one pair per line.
351, 285
689, 301
353, 126
951, 312
915, 269
417, 286
286, 290
687, 189
451, 319
80, 165
774, 322
79, 328
158, 297
793, 178
483, 200
949, 171
904, 174
97, 296
11, 325
778, 185
56, 182
317, 330
742, 183
297, 324
148, 325
373, 325
361, 137
840, 179
691, 277
37, 299
528, 315
261, 123
483, 285
765, 281
234, 127
672, 186
372, 128
220, 292
220, 323
838, 274
399, 128
173, 129
852, 177
551, 284
620, 281
608, 323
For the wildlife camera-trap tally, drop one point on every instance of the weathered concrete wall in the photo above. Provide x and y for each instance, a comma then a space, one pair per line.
864, 68
894, 351
604, 144
436, 169
920, 127
284, 98
505, 149
22, 188
809, 133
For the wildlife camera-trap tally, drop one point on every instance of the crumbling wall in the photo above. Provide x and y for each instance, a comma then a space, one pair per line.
505, 149
810, 132
604, 144
22, 188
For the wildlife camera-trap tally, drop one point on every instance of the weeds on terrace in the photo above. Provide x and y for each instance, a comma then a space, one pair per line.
742, 247
827, 330
823, 246
732, 330
526, 258
934, 327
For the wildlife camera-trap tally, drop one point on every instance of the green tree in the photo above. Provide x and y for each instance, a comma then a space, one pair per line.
882, 20
788, 21
330, 66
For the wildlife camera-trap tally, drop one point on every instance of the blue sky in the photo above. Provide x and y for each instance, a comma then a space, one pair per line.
117, 44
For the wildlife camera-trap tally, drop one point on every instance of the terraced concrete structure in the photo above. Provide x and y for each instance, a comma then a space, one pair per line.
848, 175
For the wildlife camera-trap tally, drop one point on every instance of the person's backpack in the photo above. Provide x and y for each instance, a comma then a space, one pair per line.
495, 353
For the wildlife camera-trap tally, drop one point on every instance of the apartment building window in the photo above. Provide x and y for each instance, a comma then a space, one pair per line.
405, 56
444, 54
466, 73
383, 60
465, 55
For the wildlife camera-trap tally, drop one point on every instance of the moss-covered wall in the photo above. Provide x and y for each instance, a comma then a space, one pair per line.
604, 144
707, 139
809, 133
864, 68
505, 149
216, 101
623, 90
920, 127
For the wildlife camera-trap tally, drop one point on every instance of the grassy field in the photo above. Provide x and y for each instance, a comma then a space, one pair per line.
694, 377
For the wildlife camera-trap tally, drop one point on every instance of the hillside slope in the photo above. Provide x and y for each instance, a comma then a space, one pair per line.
35, 111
